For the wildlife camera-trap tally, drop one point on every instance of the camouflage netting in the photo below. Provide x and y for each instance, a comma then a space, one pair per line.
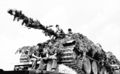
72, 49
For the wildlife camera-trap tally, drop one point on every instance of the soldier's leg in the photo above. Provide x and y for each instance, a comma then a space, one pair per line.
41, 65
54, 65
34, 64
49, 65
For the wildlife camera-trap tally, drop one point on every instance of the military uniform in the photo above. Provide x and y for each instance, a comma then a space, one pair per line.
52, 59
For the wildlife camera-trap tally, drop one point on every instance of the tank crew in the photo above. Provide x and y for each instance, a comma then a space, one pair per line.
70, 31
60, 32
52, 59
43, 57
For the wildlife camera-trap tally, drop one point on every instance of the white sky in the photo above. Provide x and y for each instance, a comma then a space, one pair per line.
99, 20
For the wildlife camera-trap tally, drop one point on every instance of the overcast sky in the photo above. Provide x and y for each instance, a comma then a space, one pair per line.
99, 20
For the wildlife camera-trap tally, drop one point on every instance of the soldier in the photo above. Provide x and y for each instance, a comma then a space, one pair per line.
52, 60
37, 57
43, 57
70, 31
60, 32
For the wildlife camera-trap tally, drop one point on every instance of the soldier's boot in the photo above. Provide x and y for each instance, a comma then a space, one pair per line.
49, 65
54, 65
40, 67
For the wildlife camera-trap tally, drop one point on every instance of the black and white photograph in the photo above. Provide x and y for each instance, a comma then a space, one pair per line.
60, 36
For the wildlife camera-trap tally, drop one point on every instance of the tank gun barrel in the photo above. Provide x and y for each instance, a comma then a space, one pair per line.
30, 23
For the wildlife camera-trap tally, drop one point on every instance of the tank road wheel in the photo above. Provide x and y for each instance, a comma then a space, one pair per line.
116, 72
103, 71
94, 67
87, 66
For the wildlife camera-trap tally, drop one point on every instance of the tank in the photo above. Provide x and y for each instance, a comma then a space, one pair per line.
73, 50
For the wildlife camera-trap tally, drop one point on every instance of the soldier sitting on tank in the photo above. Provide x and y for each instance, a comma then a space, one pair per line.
36, 55
48, 60
43, 58
70, 32
60, 32
52, 60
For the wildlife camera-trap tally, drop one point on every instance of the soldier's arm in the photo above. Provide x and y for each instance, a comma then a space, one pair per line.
34, 56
